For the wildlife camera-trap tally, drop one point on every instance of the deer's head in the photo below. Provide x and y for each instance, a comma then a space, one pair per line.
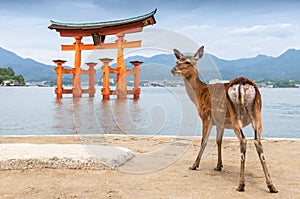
186, 65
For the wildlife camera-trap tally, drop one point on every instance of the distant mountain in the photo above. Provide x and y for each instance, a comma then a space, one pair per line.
30, 69
285, 66
156, 67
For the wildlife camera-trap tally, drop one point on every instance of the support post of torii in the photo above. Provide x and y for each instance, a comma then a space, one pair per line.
136, 85
91, 73
77, 92
59, 72
105, 80
121, 76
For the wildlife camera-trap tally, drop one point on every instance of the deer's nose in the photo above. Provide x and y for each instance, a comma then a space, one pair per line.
173, 71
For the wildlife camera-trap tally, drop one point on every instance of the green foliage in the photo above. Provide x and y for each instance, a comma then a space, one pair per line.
284, 83
277, 83
7, 71
20, 79
9, 74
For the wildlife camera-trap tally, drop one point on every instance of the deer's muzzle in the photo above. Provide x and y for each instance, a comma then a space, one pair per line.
175, 71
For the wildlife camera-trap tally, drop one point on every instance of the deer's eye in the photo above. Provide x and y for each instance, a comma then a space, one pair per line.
187, 62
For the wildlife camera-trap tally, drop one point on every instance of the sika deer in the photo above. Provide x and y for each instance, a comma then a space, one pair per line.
232, 105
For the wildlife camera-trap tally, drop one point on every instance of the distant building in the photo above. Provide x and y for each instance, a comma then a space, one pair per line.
215, 81
10, 82
111, 81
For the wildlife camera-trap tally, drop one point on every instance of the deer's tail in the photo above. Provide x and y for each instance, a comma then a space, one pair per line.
242, 91
241, 95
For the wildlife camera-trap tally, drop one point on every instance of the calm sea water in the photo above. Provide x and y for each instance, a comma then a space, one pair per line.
159, 111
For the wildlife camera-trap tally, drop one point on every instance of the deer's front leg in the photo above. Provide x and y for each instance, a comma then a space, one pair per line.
220, 132
205, 134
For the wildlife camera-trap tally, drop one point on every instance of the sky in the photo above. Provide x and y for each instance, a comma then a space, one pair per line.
228, 29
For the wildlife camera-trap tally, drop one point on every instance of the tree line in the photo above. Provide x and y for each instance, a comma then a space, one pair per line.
8, 74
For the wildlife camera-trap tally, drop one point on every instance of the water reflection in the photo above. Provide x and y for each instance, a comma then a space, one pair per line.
84, 114
63, 122
154, 114
127, 116
131, 118
105, 118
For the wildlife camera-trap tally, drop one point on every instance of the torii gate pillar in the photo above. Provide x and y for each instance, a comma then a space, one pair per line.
105, 70
77, 92
91, 73
121, 76
136, 85
59, 72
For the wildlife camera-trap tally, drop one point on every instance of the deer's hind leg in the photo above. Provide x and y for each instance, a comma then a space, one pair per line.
243, 143
206, 127
220, 132
257, 126
236, 124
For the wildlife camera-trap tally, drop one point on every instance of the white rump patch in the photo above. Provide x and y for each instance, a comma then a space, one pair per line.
233, 92
249, 93
246, 91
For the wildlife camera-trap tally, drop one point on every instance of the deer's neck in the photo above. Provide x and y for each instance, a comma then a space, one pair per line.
194, 87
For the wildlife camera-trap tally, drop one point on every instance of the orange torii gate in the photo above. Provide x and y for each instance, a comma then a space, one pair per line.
98, 31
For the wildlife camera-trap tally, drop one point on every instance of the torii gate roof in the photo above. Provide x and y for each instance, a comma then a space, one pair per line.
134, 24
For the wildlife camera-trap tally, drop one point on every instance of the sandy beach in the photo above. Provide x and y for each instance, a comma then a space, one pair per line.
160, 170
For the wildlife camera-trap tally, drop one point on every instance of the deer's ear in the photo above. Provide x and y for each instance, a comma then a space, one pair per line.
177, 54
199, 53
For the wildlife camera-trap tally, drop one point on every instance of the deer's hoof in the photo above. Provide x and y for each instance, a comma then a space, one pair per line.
272, 188
218, 168
241, 187
193, 167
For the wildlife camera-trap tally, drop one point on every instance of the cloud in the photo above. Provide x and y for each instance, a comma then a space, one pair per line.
85, 4
274, 30
228, 29
238, 42
197, 27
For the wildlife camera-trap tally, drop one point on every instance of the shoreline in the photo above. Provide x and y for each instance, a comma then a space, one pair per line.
137, 135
